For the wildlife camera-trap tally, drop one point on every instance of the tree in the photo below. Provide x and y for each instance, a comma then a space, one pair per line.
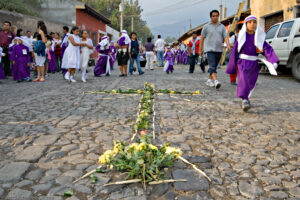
170, 39
27, 7
110, 9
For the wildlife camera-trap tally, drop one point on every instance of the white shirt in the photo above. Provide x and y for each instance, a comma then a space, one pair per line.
160, 44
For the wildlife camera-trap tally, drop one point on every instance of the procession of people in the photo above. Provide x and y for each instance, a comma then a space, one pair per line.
46, 53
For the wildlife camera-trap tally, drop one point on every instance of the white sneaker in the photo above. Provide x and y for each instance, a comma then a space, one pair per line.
83, 79
217, 84
210, 83
72, 79
67, 76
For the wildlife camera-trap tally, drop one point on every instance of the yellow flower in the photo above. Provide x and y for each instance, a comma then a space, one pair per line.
134, 146
172, 92
106, 157
172, 150
111, 166
116, 149
114, 91
141, 147
151, 146
140, 91
197, 92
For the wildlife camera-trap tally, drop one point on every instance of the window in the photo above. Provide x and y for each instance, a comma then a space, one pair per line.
271, 32
285, 29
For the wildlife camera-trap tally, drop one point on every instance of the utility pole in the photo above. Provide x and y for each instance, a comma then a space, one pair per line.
121, 8
131, 23
190, 23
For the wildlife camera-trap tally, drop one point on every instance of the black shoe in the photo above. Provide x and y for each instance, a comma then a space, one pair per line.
167, 72
121, 75
107, 75
233, 83
141, 73
125, 74
246, 105
152, 69
19, 81
191, 72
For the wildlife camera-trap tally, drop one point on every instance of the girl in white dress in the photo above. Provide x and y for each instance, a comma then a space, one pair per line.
71, 59
86, 51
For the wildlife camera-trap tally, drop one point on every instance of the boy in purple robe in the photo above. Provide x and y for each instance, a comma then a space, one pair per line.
20, 58
179, 56
52, 62
185, 58
64, 45
2, 74
112, 53
251, 42
169, 58
103, 63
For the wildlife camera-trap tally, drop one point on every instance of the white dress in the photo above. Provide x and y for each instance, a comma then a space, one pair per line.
85, 54
71, 57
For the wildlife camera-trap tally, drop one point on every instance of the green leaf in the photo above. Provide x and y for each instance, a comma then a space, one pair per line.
69, 193
94, 178
140, 161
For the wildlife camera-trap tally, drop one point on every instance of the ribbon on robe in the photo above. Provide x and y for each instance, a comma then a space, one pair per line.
107, 63
166, 66
194, 45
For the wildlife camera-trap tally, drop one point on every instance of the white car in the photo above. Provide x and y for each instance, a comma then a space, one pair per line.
284, 37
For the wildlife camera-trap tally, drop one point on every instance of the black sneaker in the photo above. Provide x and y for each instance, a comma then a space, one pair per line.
246, 105
121, 75
141, 73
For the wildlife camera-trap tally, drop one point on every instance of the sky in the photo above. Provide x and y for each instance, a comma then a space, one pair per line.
173, 17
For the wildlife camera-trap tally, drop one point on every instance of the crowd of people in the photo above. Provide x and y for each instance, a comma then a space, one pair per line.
49, 53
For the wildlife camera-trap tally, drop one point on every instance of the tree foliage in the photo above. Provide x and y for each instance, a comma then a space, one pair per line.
27, 7
132, 8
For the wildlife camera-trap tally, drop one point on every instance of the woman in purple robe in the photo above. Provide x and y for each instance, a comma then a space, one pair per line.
20, 58
169, 58
64, 45
250, 43
179, 56
112, 53
103, 63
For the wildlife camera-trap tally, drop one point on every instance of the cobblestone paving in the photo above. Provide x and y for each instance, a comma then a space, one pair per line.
52, 133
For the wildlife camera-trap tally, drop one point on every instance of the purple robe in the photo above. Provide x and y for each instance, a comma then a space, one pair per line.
169, 56
113, 51
21, 56
185, 58
248, 70
52, 63
2, 74
100, 67
179, 56
63, 48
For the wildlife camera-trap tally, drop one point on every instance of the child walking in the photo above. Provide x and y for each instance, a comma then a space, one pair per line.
169, 58
71, 59
250, 43
86, 51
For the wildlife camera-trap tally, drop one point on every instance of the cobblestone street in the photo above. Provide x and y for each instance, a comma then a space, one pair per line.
53, 132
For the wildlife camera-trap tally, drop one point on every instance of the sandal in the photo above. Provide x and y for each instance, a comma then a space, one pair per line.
42, 80
36, 80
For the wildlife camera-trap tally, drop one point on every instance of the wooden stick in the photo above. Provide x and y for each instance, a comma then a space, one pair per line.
167, 181
144, 178
138, 113
153, 123
195, 167
124, 182
84, 176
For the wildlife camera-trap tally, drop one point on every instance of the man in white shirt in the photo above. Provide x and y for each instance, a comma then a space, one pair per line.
160, 47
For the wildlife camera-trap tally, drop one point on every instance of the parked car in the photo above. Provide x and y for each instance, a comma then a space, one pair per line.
284, 37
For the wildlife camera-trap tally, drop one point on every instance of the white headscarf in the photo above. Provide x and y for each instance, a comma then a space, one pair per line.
127, 38
104, 43
259, 37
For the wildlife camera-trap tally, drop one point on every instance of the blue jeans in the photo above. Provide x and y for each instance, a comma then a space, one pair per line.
160, 58
213, 61
137, 59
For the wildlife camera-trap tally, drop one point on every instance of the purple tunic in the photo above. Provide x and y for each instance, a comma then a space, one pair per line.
179, 56
169, 56
113, 52
2, 75
21, 56
63, 48
52, 63
185, 58
100, 67
248, 70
